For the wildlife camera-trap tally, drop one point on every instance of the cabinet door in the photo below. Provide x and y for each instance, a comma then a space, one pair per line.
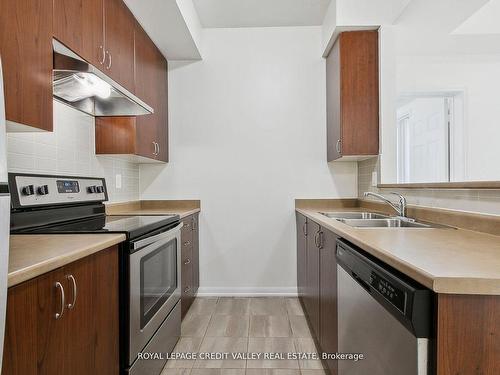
333, 126
105, 311
359, 92
328, 297
79, 317
26, 52
162, 108
145, 88
119, 43
84, 340
301, 221
35, 341
312, 290
79, 25
196, 254
94, 317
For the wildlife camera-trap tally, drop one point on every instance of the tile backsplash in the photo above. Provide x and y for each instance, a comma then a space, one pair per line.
70, 150
471, 200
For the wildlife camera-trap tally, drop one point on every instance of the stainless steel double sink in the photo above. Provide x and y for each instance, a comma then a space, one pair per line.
375, 220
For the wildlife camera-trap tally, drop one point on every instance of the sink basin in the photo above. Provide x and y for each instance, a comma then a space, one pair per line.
353, 215
384, 223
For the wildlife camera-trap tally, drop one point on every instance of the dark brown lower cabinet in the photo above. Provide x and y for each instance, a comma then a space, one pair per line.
190, 279
312, 302
328, 297
84, 339
301, 221
468, 334
468, 328
317, 283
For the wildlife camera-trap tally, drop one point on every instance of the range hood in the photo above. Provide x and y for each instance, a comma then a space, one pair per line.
84, 87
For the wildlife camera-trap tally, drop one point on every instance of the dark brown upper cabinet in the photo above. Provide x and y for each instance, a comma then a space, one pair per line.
145, 138
119, 42
101, 32
352, 93
79, 24
151, 82
26, 53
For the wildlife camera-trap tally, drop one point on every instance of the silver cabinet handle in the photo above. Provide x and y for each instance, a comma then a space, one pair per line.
193, 225
109, 61
154, 145
304, 228
337, 146
103, 55
60, 314
158, 151
187, 289
71, 305
187, 243
187, 261
317, 239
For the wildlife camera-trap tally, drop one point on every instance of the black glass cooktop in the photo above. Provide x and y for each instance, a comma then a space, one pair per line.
131, 226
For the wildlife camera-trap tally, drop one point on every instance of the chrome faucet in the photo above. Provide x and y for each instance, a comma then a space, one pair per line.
400, 209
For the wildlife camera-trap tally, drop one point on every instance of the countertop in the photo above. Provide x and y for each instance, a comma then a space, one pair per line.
446, 260
32, 255
183, 208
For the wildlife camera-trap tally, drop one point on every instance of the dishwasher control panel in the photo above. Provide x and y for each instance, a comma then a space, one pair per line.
391, 292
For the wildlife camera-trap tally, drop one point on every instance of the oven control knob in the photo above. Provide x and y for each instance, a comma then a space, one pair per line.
43, 190
92, 189
28, 190
100, 189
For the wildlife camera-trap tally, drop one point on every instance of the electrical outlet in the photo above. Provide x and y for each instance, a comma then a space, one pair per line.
374, 179
118, 183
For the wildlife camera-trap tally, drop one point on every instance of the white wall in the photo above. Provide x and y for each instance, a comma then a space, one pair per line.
247, 136
70, 150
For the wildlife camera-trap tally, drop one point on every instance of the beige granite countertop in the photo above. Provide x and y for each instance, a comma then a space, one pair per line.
446, 260
182, 208
32, 255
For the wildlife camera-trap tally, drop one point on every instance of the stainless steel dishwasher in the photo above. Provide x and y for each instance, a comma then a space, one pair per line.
383, 315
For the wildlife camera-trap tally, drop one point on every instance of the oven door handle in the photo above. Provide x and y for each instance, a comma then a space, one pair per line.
147, 241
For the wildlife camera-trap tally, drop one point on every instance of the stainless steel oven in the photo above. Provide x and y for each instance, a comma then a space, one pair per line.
149, 261
155, 290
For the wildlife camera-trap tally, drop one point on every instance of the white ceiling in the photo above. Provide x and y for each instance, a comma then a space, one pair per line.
484, 21
166, 22
260, 13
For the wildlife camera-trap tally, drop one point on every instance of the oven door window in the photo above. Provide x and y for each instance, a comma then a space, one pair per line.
158, 279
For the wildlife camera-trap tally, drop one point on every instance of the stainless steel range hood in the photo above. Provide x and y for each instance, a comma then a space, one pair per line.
84, 87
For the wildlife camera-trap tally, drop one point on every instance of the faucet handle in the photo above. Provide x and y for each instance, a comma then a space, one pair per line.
402, 202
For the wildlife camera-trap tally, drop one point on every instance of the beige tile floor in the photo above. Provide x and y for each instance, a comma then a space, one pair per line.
240, 325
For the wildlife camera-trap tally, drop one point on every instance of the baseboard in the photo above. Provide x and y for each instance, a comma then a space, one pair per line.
247, 292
